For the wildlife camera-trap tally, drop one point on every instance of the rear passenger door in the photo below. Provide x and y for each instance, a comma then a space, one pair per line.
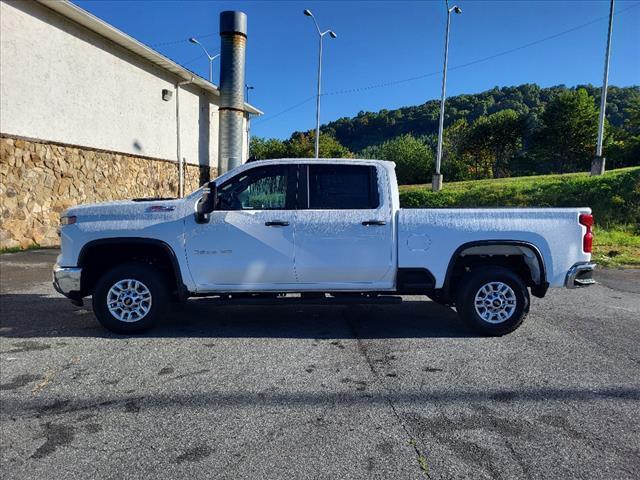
343, 229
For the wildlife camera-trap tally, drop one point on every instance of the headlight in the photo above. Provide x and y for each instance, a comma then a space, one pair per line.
68, 220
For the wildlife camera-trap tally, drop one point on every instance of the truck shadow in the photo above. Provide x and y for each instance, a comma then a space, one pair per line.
32, 315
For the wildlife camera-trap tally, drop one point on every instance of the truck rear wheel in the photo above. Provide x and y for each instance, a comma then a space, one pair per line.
130, 298
493, 300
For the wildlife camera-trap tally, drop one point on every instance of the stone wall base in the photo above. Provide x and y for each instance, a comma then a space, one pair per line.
39, 180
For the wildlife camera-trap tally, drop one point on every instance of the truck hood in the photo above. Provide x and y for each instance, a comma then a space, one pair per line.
127, 209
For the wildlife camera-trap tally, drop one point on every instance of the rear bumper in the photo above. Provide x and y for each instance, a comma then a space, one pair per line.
66, 280
580, 275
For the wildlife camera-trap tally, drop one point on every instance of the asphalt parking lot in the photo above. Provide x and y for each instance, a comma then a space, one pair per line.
389, 391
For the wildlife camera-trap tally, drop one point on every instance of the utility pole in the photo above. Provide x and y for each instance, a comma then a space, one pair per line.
436, 182
598, 163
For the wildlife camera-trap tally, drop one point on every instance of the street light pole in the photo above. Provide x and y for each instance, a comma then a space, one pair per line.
247, 88
598, 163
321, 34
211, 58
436, 182
317, 147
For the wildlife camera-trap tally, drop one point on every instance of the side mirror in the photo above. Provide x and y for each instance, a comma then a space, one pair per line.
207, 203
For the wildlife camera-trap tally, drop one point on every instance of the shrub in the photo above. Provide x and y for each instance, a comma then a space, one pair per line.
413, 158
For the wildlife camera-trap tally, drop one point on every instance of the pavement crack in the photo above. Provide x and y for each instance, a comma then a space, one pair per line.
411, 439
517, 457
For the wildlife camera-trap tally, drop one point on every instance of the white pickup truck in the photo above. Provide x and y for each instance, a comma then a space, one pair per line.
316, 230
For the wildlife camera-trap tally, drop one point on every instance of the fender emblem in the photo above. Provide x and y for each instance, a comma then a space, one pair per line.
160, 208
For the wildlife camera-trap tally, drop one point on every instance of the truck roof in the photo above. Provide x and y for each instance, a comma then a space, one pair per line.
385, 163
388, 166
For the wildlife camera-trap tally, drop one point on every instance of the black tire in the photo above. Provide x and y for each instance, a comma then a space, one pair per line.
155, 283
485, 319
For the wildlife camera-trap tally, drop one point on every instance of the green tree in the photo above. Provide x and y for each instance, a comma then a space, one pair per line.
490, 144
568, 132
505, 130
475, 147
263, 148
632, 122
373, 128
624, 149
456, 163
522, 130
302, 145
413, 158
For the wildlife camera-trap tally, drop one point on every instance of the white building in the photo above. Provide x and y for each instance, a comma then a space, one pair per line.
69, 77
89, 114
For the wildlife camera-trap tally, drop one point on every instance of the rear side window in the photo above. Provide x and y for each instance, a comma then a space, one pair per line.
343, 187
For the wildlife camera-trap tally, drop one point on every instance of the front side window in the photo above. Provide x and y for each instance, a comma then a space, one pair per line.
343, 187
261, 188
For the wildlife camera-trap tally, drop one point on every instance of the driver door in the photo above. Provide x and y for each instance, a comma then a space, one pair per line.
248, 243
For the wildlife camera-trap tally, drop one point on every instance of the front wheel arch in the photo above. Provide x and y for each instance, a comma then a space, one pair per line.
99, 256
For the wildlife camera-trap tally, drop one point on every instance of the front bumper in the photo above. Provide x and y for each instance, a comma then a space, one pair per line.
580, 275
66, 280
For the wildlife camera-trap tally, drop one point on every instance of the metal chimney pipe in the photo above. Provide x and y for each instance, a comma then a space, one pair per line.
233, 33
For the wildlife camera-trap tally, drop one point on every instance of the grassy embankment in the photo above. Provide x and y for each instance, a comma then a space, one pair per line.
34, 246
613, 197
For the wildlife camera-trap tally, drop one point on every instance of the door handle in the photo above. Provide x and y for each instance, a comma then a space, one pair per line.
277, 223
374, 222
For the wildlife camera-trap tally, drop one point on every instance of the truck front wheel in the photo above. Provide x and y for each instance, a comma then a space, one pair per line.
130, 298
492, 300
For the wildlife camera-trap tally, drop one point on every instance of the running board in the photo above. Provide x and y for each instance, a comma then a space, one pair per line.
346, 300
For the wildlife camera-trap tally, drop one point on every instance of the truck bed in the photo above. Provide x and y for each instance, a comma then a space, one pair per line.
425, 236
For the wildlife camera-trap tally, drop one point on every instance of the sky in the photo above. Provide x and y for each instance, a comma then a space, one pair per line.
388, 54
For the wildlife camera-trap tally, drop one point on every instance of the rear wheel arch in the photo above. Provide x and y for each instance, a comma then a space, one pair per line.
524, 258
99, 256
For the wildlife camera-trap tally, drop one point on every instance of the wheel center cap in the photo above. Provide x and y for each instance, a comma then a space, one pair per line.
497, 303
127, 301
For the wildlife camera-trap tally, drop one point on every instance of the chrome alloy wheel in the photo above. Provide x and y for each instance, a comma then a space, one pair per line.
129, 300
495, 302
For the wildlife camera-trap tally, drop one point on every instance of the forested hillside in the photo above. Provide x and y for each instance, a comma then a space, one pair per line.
503, 132
530, 100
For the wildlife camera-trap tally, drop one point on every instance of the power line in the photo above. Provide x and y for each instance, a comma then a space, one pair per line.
430, 74
214, 51
193, 59
182, 40
202, 55
536, 42
262, 120
184, 64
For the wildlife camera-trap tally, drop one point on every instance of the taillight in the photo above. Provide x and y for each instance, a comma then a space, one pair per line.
586, 219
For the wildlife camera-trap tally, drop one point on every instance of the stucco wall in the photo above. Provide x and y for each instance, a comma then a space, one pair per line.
60, 82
